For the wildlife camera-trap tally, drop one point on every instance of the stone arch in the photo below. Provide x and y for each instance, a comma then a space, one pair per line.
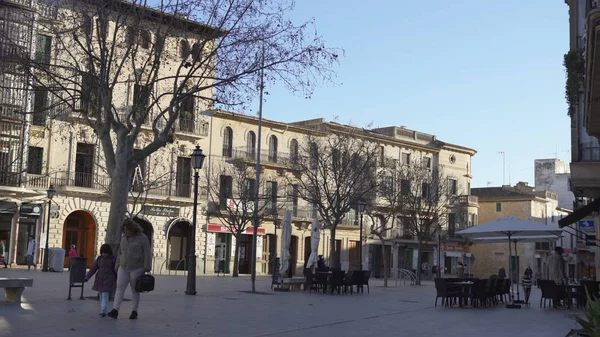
80, 230
179, 234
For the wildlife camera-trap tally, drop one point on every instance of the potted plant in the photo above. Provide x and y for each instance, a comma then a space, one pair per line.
588, 321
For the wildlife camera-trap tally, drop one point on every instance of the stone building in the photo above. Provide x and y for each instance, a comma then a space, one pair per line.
524, 202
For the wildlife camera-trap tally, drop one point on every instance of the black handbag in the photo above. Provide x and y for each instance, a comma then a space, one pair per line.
144, 283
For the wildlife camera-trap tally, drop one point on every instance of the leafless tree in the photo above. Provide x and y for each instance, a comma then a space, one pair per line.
335, 171
231, 191
417, 196
382, 224
132, 67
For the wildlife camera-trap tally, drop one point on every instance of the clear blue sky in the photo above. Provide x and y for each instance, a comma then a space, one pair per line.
478, 73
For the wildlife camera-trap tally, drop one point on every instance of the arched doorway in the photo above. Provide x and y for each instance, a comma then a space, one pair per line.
147, 229
178, 242
79, 229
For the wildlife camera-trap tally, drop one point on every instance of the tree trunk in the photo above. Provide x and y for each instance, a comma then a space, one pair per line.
419, 263
236, 258
333, 257
119, 193
385, 263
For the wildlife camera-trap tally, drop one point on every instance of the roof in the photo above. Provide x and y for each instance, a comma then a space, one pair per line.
508, 192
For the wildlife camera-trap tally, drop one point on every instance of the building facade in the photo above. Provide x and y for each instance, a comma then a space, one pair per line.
523, 202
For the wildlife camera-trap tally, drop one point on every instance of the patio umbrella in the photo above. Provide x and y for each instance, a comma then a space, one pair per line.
315, 237
286, 239
510, 229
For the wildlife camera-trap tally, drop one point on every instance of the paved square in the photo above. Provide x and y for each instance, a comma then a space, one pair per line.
222, 308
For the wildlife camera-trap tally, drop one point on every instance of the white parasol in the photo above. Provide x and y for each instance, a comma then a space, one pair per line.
315, 238
286, 240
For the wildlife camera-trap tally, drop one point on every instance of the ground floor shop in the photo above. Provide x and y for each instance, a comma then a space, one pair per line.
451, 255
19, 222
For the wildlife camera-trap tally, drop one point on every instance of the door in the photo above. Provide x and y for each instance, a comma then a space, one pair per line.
84, 165
220, 253
294, 254
245, 254
354, 250
26, 229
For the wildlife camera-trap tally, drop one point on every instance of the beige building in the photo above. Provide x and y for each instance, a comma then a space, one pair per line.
523, 202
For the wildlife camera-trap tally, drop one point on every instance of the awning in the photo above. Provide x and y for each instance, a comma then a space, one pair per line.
454, 254
580, 213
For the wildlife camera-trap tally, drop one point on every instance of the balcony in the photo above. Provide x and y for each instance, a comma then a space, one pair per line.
193, 127
266, 157
585, 181
81, 179
469, 200
38, 181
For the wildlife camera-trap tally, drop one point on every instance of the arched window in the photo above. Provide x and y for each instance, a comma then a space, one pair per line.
294, 151
251, 145
273, 149
227, 142
184, 49
145, 39
196, 51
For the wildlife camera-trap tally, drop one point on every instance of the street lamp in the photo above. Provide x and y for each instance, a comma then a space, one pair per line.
361, 208
51, 193
197, 161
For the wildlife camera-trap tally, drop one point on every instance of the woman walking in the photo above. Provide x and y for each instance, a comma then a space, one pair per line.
133, 259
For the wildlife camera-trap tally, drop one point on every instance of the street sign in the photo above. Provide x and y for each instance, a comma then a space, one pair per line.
590, 240
586, 225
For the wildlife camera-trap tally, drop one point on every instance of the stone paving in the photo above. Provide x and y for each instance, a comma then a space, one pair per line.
223, 308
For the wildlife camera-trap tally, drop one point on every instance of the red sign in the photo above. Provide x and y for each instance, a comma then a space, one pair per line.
224, 229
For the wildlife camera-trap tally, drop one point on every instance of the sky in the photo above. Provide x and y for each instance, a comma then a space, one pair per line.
478, 73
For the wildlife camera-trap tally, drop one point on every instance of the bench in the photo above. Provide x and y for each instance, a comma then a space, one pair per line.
294, 283
14, 288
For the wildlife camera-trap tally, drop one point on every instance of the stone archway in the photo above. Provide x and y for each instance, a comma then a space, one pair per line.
79, 229
178, 244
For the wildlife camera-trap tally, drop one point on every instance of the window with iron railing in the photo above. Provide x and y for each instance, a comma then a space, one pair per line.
183, 178
271, 197
35, 159
43, 49
225, 190
84, 165
227, 142
40, 106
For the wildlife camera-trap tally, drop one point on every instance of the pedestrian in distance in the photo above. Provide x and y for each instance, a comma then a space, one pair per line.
2, 254
133, 259
73, 252
106, 276
526, 283
31, 253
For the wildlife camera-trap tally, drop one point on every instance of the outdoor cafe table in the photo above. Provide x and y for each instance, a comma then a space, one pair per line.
464, 288
572, 289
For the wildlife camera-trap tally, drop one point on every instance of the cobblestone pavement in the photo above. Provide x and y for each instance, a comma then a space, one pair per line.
223, 308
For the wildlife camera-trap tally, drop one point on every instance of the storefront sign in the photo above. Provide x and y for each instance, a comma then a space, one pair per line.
586, 225
210, 246
31, 209
160, 211
259, 245
8, 207
452, 248
224, 229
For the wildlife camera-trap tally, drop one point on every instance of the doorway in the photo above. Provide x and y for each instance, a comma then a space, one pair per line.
272, 244
79, 229
26, 229
307, 249
179, 245
294, 255
354, 252
245, 252
222, 253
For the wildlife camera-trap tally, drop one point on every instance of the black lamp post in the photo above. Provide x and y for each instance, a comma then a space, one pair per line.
197, 162
361, 209
51, 193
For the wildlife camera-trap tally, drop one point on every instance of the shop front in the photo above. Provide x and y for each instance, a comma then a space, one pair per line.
220, 249
29, 217
7, 223
451, 255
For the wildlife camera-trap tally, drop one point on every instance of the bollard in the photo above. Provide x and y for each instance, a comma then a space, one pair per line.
77, 269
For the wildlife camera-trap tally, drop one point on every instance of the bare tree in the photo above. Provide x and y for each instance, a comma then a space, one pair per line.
232, 199
335, 172
131, 68
418, 197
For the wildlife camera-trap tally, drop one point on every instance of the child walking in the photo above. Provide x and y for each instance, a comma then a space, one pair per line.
106, 277
526, 283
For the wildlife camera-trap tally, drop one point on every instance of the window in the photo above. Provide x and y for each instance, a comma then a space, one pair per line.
294, 196
141, 100
35, 159
294, 151
225, 190
145, 39
183, 178
273, 149
452, 186
451, 224
271, 197
425, 191
427, 162
88, 96
138, 177
131, 36
40, 104
498, 207
43, 49
404, 227
381, 156
249, 193
84, 165
404, 187
101, 29
186, 116
227, 142
196, 51
473, 220
405, 158
87, 26
314, 156
184, 49
251, 146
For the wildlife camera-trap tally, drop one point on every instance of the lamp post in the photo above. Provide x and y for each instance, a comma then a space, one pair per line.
439, 266
361, 209
197, 161
51, 193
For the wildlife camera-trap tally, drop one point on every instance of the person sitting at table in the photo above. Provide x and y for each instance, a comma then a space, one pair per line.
460, 270
526, 283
